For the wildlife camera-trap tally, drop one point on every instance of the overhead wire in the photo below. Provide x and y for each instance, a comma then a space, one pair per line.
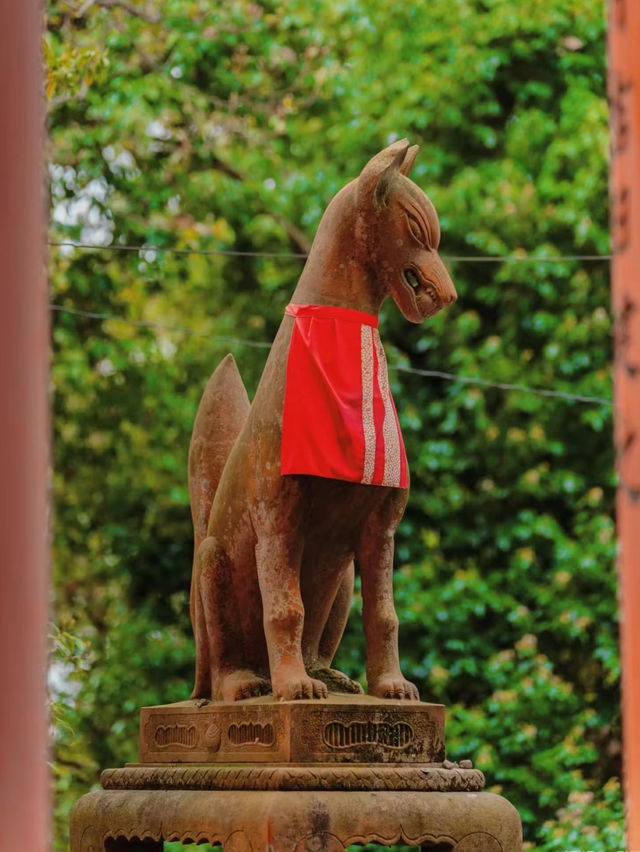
171, 250
518, 258
575, 397
512, 258
239, 341
222, 338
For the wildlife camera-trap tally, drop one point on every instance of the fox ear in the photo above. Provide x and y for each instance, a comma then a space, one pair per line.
376, 179
409, 160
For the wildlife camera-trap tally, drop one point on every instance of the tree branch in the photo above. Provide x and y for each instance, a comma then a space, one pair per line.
81, 94
147, 15
297, 237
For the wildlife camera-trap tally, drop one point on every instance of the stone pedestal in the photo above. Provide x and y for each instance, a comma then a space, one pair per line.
259, 776
342, 729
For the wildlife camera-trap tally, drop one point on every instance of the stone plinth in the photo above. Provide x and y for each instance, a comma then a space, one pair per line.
343, 729
304, 776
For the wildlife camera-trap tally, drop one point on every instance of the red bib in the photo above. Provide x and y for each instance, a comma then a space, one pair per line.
339, 420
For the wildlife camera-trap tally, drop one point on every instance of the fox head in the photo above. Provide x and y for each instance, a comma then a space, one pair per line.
398, 234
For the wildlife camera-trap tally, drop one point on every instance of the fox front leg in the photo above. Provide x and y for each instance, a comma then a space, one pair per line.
229, 676
375, 559
335, 680
278, 556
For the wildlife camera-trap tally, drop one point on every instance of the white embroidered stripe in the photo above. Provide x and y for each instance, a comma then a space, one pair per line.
389, 427
368, 424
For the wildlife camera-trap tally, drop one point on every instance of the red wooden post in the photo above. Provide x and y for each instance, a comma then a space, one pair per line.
624, 96
24, 805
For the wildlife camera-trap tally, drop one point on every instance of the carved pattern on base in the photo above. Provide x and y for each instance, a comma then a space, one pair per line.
478, 841
311, 821
132, 834
314, 842
270, 777
238, 841
355, 729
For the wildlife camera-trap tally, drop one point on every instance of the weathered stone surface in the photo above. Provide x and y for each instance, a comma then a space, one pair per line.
315, 776
295, 821
274, 554
343, 729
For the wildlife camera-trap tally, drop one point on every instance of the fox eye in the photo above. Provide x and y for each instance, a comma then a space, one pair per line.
415, 229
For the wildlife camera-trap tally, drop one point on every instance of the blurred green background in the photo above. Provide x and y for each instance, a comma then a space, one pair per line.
229, 126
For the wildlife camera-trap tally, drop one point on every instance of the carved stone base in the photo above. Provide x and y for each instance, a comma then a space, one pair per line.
303, 776
308, 821
342, 729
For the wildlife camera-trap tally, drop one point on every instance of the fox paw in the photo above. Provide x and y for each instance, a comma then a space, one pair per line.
395, 687
242, 684
299, 688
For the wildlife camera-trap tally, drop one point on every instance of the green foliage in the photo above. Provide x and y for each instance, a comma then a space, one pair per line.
587, 821
229, 126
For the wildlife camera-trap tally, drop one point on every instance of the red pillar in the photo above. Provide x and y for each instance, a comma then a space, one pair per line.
624, 96
24, 805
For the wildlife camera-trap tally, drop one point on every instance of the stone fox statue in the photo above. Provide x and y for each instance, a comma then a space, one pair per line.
287, 492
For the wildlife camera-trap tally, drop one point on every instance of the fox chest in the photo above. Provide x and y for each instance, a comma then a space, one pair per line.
339, 420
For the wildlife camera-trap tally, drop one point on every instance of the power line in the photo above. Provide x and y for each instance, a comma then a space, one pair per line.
503, 385
437, 374
512, 258
169, 250
517, 258
160, 327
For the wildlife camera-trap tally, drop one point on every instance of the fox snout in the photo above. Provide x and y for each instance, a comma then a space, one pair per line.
444, 284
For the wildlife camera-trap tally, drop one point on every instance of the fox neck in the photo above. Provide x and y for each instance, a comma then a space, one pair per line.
334, 273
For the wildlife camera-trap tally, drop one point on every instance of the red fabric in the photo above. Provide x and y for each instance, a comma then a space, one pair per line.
339, 420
